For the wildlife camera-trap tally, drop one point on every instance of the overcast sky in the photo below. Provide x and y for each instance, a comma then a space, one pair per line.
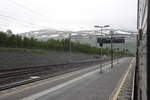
26, 15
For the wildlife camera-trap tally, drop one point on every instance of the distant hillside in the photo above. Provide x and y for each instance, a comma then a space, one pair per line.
85, 37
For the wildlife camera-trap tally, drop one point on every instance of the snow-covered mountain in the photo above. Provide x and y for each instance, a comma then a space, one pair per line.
85, 36
52, 33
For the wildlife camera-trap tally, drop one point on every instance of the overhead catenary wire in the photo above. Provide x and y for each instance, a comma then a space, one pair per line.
30, 10
27, 8
22, 21
14, 22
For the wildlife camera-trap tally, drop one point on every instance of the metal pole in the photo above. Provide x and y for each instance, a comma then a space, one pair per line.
101, 62
111, 51
101, 53
95, 39
101, 44
118, 56
107, 51
69, 47
89, 40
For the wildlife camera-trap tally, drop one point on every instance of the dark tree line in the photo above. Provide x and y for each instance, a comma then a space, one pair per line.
17, 41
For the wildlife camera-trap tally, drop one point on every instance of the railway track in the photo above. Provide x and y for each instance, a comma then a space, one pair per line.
4, 73
18, 76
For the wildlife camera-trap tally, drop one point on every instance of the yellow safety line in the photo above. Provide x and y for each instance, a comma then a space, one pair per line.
46, 81
117, 90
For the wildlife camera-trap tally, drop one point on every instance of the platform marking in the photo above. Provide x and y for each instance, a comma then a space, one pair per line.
49, 80
117, 90
50, 90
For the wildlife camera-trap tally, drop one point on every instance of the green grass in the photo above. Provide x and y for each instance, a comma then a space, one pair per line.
34, 51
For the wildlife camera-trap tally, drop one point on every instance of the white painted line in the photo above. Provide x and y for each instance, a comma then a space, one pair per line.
117, 89
49, 80
34, 77
133, 84
36, 96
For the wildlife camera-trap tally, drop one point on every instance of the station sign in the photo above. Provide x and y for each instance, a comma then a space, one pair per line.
108, 40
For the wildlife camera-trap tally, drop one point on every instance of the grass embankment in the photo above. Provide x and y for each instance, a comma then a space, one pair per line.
36, 51
18, 43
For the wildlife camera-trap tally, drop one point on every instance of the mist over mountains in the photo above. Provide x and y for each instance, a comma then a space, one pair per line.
46, 34
88, 37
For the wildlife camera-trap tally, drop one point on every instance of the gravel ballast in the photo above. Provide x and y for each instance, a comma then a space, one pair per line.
17, 59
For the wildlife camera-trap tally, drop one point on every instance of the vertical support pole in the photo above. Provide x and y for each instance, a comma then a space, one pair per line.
95, 38
148, 52
136, 87
70, 47
117, 55
111, 50
101, 53
89, 40
101, 62
108, 51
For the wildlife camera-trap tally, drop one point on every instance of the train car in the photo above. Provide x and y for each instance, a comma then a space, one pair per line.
142, 80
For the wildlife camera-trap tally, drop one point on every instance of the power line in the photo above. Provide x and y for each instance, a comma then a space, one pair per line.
27, 8
22, 21
10, 22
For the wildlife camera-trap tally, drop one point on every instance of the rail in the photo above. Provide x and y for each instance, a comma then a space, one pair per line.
44, 71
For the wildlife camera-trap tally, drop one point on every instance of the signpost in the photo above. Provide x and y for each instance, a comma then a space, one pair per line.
111, 33
70, 47
108, 40
101, 43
